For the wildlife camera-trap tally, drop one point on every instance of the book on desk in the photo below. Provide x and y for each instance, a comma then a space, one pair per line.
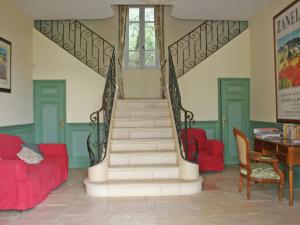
267, 133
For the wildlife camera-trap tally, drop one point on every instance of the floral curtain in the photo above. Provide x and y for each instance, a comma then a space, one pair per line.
123, 14
160, 43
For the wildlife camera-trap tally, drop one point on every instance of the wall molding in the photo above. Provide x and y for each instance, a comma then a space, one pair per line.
25, 131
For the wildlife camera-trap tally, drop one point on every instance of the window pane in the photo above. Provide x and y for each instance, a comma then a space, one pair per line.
150, 58
149, 36
134, 58
134, 14
149, 14
133, 36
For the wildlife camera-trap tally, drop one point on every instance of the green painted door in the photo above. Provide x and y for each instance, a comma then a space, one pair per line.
234, 105
49, 111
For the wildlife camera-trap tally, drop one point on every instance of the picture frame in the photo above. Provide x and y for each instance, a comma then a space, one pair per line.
286, 28
5, 65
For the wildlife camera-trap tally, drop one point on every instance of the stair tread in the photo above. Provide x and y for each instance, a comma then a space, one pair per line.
144, 140
171, 151
143, 118
132, 108
142, 128
133, 166
142, 100
148, 181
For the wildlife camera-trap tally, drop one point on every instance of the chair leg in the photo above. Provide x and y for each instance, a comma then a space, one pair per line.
280, 191
248, 189
241, 184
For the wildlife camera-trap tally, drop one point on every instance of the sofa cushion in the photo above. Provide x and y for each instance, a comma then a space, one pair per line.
29, 156
10, 146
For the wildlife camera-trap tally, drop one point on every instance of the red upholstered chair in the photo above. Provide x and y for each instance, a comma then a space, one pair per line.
207, 153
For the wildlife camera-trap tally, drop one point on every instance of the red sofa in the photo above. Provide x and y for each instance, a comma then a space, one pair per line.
23, 186
207, 153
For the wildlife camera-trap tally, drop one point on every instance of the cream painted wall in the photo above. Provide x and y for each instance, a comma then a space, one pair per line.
142, 83
15, 26
84, 86
146, 83
199, 87
263, 99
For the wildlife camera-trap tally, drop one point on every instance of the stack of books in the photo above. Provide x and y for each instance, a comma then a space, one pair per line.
267, 133
291, 131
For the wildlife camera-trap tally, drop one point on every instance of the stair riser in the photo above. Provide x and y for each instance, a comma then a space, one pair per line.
142, 123
139, 159
152, 146
124, 190
123, 134
139, 105
141, 173
142, 114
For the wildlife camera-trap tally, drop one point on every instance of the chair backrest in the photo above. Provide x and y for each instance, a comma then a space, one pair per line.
243, 147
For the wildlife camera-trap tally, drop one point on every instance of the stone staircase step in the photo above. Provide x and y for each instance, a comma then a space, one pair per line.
143, 157
128, 133
142, 144
142, 113
159, 171
159, 187
141, 103
142, 122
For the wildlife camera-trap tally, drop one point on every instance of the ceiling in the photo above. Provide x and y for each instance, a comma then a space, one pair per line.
183, 9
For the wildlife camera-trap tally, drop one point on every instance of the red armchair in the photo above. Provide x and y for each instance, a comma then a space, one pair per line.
207, 153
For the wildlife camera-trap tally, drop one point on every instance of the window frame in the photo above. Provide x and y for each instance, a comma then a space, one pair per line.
141, 49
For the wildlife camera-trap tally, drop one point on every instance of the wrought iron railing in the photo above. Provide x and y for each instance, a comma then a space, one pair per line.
80, 41
202, 42
179, 111
97, 148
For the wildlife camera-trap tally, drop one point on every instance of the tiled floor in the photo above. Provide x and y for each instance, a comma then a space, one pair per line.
218, 204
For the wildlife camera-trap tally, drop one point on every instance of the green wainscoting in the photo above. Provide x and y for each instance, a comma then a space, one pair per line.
260, 124
212, 128
25, 131
76, 136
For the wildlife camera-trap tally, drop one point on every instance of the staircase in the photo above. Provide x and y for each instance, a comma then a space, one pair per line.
143, 160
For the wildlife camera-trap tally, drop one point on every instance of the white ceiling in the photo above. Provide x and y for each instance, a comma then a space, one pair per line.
183, 9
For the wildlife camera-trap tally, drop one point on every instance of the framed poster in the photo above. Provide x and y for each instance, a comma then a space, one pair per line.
5, 65
286, 25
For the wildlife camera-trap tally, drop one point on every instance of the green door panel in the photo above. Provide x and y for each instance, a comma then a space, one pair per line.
234, 104
49, 111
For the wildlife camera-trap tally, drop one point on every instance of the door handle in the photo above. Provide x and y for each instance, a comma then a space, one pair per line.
61, 123
224, 120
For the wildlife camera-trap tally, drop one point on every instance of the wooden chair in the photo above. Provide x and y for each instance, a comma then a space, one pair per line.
255, 167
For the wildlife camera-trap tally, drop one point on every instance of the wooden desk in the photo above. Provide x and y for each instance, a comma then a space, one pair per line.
286, 151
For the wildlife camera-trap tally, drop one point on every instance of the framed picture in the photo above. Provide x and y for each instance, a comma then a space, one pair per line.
5, 65
286, 26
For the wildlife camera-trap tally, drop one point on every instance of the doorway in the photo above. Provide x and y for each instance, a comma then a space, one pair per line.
49, 110
234, 111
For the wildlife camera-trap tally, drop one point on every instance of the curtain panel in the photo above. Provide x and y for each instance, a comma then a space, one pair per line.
160, 43
123, 14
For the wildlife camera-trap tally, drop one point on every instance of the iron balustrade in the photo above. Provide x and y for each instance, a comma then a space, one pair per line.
185, 54
80, 41
202, 42
178, 109
97, 148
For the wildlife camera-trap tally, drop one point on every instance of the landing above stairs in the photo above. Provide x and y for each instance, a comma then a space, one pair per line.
142, 158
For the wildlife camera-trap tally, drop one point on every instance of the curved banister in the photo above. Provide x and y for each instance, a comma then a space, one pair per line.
98, 155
